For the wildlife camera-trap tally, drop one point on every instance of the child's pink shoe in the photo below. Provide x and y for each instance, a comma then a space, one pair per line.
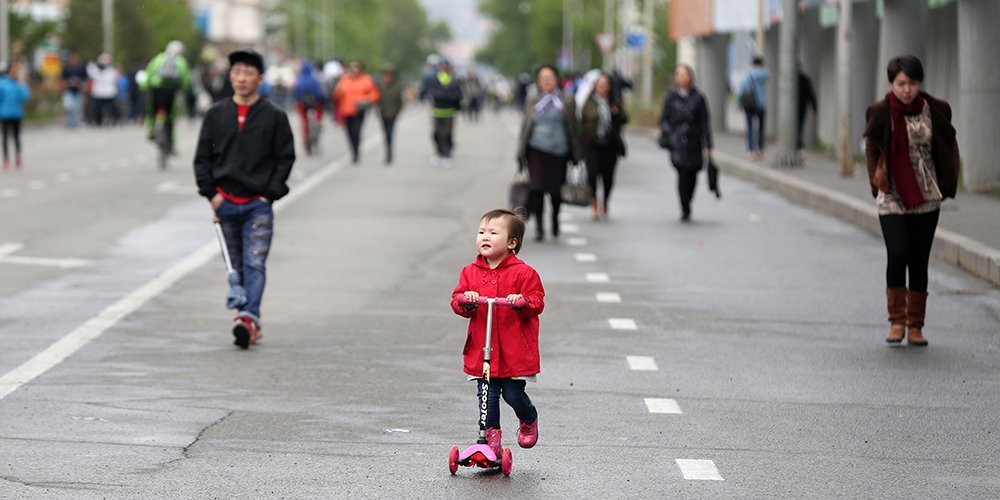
527, 434
493, 440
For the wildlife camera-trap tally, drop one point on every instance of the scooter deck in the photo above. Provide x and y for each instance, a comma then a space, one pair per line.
480, 455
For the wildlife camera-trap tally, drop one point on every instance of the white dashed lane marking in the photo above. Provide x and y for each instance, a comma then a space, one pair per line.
622, 324
663, 405
64, 177
576, 242
609, 297
585, 257
8, 193
570, 228
83, 171
642, 363
36, 185
598, 278
699, 470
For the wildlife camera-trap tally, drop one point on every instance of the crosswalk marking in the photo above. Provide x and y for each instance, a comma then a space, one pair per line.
598, 278
642, 363
663, 405
570, 228
585, 257
609, 297
622, 324
699, 470
576, 242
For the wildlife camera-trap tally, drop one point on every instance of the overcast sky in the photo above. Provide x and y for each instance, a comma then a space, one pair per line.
466, 25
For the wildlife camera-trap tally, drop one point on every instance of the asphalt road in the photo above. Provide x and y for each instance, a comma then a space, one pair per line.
763, 322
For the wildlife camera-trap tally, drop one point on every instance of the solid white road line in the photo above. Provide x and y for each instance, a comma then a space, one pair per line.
663, 405
96, 326
570, 228
44, 261
576, 242
622, 324
609, 297
642, 363
585, 257
699, 470
598, 278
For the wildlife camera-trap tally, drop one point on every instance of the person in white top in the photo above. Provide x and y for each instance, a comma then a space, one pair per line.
105, 88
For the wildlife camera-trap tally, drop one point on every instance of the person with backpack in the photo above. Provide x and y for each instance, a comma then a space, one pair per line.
752, 98
308, 95
166, 74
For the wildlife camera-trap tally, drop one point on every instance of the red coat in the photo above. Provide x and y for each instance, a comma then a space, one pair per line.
515, 332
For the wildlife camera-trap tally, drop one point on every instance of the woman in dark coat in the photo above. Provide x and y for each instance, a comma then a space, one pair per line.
550, 137
913, 162
684, 123
601, 122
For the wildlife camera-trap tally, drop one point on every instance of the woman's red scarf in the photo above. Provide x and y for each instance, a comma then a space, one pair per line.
900, 166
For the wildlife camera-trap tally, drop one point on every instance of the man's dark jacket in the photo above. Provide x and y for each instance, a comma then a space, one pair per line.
254, 161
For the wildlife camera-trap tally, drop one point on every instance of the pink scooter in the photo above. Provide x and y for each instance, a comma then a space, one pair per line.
480, 454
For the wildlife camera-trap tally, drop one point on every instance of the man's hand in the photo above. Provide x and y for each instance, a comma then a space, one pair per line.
217, 201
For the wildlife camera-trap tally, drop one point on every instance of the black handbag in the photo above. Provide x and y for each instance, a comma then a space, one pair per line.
576, 191
520, 189
713, 178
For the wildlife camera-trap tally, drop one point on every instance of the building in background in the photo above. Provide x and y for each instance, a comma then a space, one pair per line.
956, 40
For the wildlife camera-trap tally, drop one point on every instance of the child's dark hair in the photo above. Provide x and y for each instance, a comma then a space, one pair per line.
515, 224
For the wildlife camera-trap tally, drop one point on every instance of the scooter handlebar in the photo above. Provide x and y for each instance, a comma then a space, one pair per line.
519, 303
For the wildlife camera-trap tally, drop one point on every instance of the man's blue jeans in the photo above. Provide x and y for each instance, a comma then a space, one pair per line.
248, 229
513, 393
72, 108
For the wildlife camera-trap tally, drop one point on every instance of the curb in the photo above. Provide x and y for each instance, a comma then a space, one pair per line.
971, 255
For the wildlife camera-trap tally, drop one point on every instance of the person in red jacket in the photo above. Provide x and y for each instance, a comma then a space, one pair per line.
497, 272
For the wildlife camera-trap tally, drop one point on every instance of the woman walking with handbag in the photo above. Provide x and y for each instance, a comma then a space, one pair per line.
913, 162
354, 94
549, 139
601, 121
686, 131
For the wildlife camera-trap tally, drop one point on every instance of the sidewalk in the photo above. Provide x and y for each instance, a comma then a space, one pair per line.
968, 234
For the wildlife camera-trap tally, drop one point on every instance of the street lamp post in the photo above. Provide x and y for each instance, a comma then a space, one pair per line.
4, 32
106, 20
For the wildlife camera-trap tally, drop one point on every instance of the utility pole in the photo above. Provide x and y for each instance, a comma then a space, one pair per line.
788, 95
4, 32
844, 88
647, 53
568, 33
761, 21
106, 19
609, 29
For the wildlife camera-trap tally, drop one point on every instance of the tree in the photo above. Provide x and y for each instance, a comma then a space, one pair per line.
141, 29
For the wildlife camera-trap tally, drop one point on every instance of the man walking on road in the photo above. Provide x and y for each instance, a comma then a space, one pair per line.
245, 154
446, 95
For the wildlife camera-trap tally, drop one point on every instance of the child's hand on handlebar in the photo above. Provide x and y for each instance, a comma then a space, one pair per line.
471, 300
513, 298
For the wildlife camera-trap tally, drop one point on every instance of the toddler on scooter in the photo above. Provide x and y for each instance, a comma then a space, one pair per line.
497, 272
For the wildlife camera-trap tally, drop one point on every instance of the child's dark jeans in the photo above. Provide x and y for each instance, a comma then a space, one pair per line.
513, 393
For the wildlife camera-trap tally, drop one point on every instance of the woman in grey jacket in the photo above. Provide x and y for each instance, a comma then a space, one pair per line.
550, 137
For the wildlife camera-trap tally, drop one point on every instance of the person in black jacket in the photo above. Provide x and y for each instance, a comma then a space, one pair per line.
244, 157
807, 99
445, 92
684, 122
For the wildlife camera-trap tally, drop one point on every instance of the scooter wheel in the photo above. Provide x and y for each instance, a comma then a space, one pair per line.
507, 462
453, 460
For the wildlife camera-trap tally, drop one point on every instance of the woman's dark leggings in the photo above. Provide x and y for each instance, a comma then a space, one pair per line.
12, 127
601, 162
908, 240
513, 393
687, 180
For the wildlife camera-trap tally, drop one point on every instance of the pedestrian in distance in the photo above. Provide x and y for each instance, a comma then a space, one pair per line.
104, 77
912, 157
445, 92
601, 122
807, 102
498, 272
549, 139
753, 99
73, 82
244, 157
355, 94
390, 107
13, 94
685, 128
308, 94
